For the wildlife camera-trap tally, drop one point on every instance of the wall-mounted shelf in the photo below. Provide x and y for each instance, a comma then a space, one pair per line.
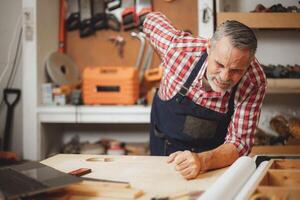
283, 85
263, 20
94, 114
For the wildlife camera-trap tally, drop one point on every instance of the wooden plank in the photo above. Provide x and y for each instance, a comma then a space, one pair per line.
263, 20
284, 85
291, 193
289, 178
287, 83
286, 164
278, 150
111, 192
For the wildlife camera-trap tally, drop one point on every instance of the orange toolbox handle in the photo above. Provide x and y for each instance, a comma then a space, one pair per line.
154, 74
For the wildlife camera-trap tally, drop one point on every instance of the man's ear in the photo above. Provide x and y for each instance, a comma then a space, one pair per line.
208, 47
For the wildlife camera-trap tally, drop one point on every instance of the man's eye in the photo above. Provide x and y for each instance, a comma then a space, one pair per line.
220, 65
236, 71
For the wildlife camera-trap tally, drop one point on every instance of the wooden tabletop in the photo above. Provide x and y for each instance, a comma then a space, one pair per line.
152, 174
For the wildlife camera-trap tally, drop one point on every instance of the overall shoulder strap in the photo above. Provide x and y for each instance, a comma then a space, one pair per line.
184, 89
231, 100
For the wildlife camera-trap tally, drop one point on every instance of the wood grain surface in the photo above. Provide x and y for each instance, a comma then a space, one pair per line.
151, 174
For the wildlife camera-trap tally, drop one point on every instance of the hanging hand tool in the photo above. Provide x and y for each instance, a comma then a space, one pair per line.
86, 25
113, 14
99, 15
147, 60
141, 38
10, 115
143, 7
113, 4
128, 15
73, 18
119, 41
113, 23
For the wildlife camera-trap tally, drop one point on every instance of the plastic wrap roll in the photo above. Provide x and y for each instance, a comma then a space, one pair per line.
230, 183
249, 187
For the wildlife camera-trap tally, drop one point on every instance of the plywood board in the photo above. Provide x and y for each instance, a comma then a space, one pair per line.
151, 174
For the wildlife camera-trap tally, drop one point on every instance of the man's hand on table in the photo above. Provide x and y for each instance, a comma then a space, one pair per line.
187, 163
190, 164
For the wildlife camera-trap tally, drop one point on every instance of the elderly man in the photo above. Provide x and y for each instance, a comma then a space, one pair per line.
208, 104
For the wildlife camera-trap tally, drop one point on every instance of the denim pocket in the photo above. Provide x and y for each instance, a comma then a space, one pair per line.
199, 128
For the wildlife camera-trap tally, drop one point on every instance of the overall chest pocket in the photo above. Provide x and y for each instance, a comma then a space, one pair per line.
199, 128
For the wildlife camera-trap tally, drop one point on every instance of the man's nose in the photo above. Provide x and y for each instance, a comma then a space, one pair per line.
225, 75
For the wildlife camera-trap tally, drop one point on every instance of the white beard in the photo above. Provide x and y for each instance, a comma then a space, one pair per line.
213, 86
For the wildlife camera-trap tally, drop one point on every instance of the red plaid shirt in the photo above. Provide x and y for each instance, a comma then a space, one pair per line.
180, 52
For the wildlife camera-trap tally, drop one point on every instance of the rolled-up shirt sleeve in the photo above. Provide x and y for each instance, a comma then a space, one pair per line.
241, 130
160, 32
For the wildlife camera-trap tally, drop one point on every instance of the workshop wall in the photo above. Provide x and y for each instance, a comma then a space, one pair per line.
97, 50
10, 21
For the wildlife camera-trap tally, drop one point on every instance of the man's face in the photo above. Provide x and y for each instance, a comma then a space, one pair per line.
226, 65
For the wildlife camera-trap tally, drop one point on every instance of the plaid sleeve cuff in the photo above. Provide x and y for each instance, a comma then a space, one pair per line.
241, 147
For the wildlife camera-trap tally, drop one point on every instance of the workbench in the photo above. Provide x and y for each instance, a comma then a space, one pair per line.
152, 174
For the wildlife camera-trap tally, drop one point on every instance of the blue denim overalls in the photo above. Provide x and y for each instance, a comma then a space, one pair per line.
179, 124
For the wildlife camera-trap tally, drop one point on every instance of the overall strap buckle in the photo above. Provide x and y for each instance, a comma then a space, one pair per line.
183, 91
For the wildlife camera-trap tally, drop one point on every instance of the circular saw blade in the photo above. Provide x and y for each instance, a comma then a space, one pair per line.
62, 69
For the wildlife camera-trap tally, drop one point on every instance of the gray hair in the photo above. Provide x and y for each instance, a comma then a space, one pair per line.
240, 35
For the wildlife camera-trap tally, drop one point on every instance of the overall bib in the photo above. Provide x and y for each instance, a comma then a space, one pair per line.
179, 124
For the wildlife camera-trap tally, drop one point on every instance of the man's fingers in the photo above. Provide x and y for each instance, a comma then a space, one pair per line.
182, 166
191, 175
172, 156
188, 173
185, 172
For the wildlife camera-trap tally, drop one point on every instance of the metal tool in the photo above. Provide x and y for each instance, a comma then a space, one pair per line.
86, 25
141, 38
113, 4
128, 15
113, 14
99, 15
73, 19
119, 41
10, 115
143, 7
147, 60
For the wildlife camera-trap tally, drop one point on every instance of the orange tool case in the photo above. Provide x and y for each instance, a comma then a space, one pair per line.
110, 85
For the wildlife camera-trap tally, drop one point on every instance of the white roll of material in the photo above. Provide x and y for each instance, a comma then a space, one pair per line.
230, 183
249, 187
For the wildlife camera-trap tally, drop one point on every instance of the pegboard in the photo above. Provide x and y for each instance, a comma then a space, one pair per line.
97, 50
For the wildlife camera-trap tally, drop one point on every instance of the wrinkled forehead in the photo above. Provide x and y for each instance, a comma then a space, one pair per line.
228, 55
